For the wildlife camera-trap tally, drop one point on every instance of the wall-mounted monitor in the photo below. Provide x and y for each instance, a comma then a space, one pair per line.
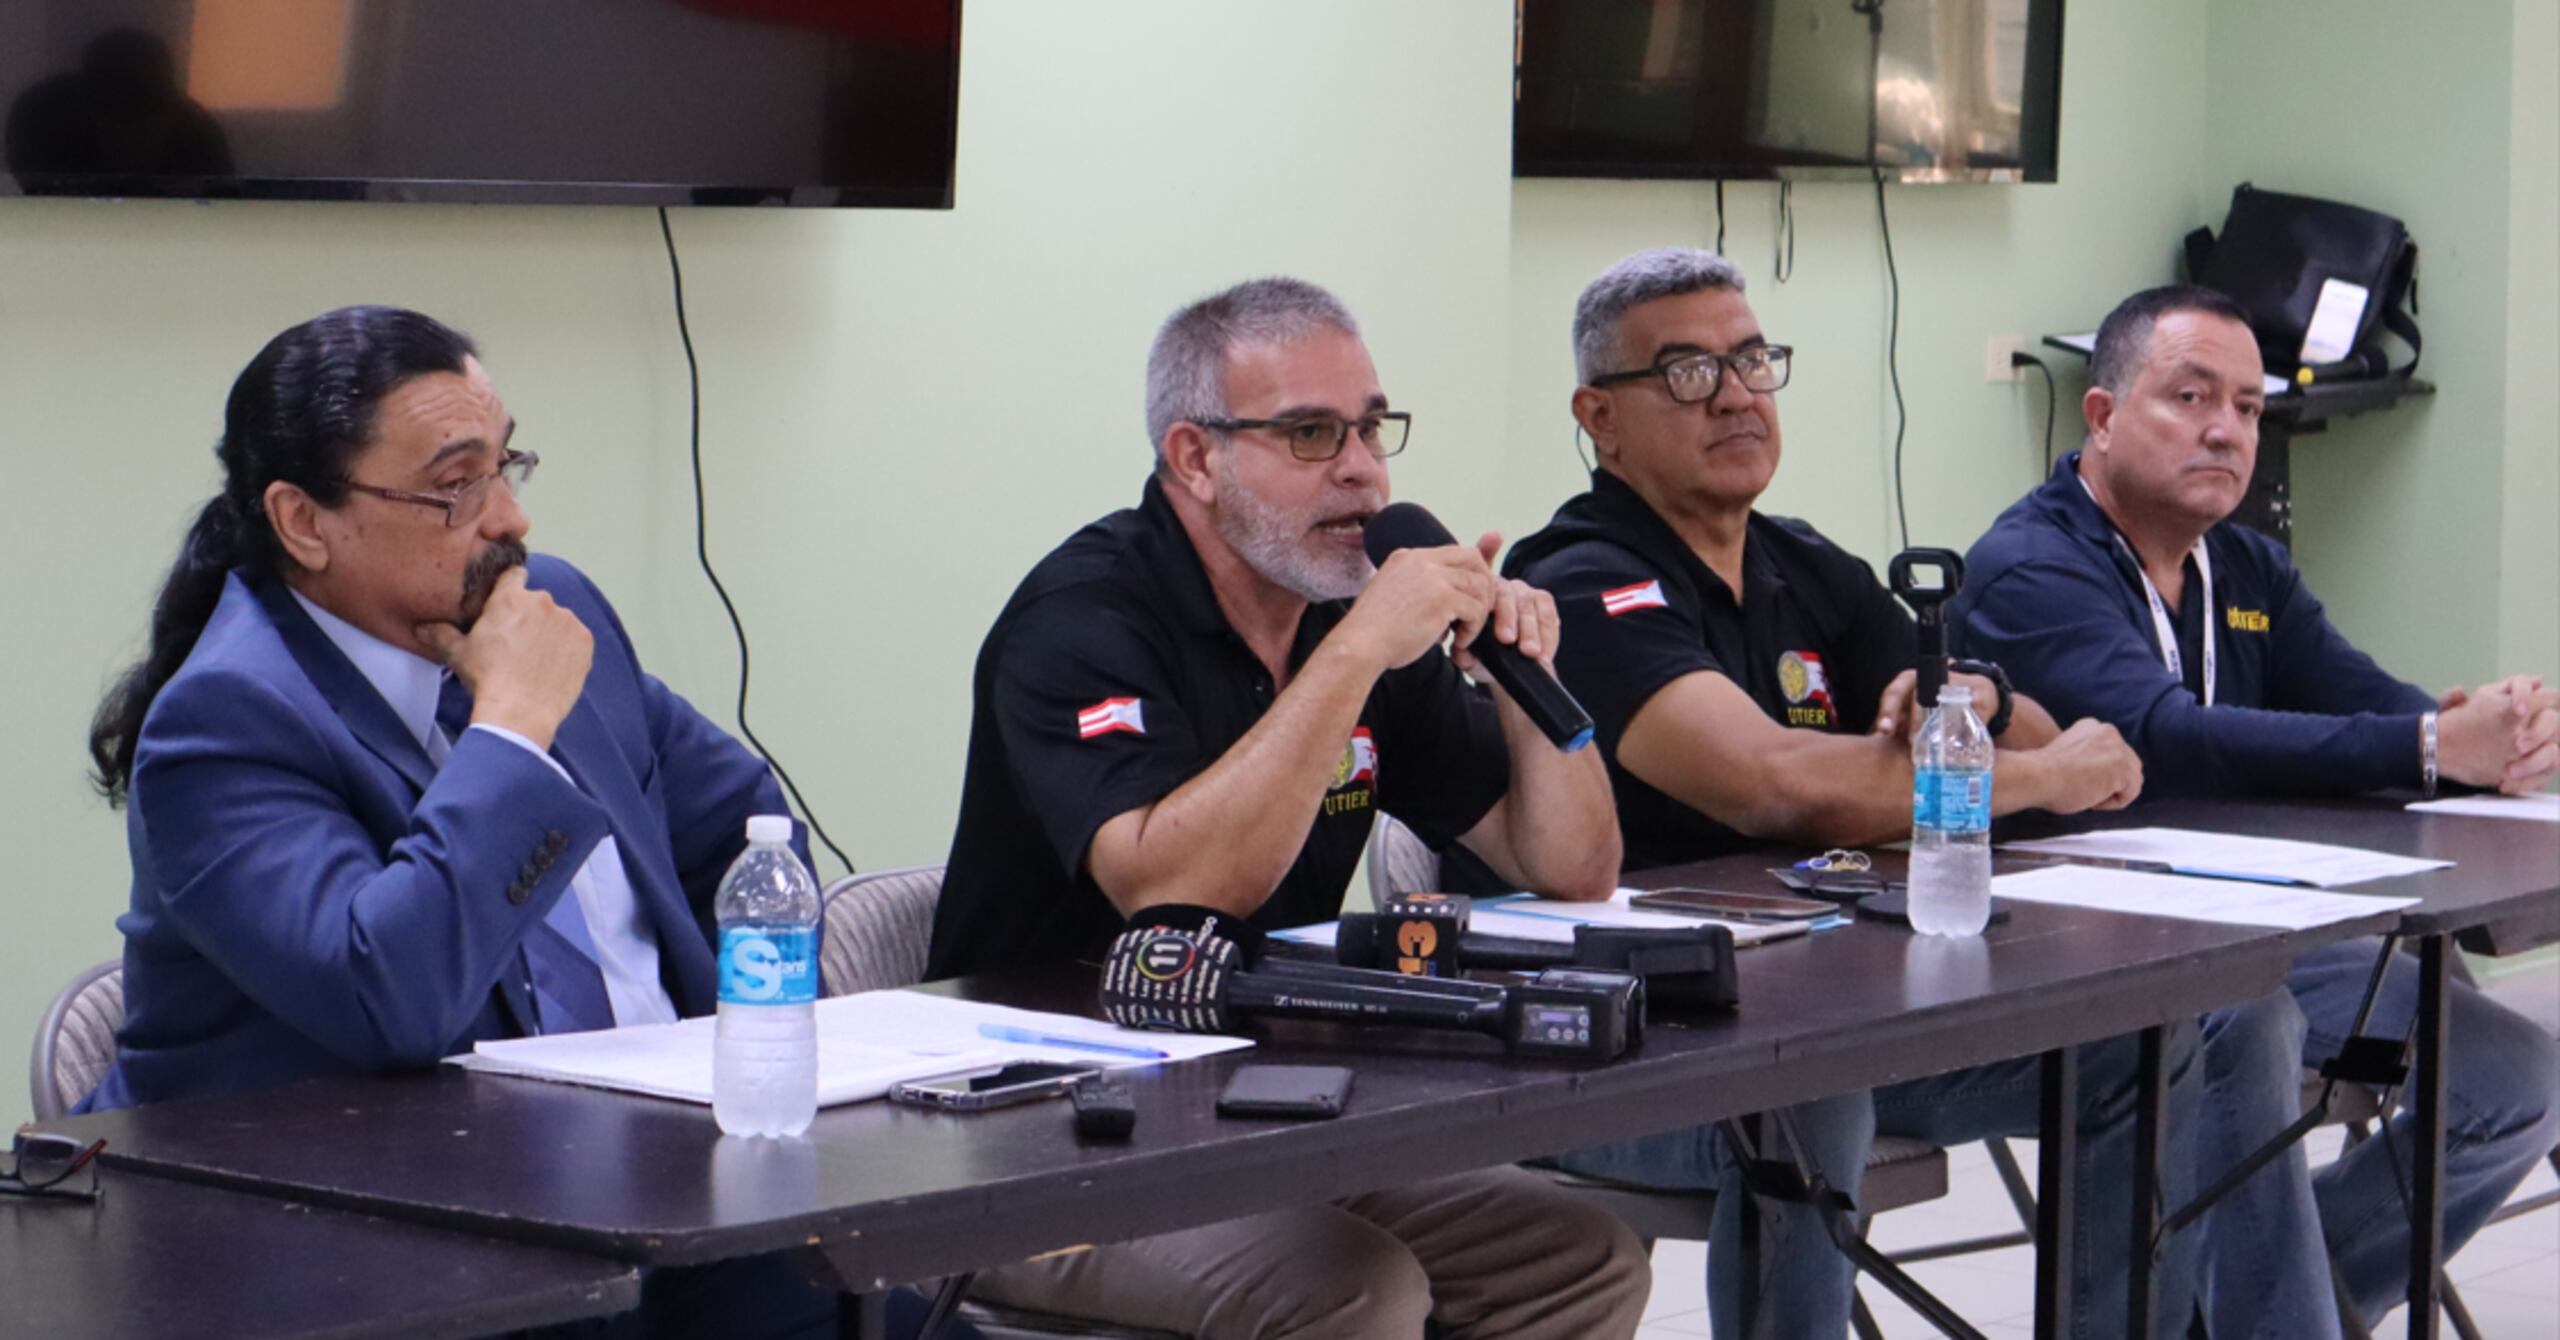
744, 102
1921, 90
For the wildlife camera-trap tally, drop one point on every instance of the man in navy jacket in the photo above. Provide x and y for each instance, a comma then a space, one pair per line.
393, 785
2119, 590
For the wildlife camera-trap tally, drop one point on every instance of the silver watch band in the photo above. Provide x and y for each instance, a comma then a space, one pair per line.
2427, 751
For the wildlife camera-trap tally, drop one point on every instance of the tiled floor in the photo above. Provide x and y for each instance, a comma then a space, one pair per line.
2509, 1275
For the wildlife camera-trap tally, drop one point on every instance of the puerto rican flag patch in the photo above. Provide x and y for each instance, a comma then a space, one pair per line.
1628, 599
1111, 714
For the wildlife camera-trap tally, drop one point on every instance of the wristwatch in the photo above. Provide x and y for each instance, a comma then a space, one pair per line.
1999, 720
2427, 753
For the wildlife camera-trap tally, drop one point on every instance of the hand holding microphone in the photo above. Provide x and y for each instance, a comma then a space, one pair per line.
1509, 628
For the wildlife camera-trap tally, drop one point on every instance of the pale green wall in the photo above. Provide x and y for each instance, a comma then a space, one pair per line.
2417, 527
1975, 261
2529, 585
901, 410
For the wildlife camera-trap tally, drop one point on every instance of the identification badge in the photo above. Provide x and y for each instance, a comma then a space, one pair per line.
1950, 801
768, 965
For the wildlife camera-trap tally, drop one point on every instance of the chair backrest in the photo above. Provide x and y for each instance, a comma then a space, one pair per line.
77, 1040
877, 928
1399, 861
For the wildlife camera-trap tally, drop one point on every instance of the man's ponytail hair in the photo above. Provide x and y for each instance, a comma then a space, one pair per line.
299, 414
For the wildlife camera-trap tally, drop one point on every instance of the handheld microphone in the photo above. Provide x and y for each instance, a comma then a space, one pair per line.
1188, 981
1194, 982
1554, 711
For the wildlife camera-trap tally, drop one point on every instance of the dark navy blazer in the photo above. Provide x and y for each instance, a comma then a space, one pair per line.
312, 897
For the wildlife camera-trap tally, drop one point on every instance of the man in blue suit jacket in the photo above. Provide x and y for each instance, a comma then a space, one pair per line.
393, 785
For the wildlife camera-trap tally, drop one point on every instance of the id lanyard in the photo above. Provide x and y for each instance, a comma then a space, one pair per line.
2168, 630
2160, 620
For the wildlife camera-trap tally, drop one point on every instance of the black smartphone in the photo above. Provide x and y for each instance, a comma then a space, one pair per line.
994, 1086
1304, 1091
1739, 906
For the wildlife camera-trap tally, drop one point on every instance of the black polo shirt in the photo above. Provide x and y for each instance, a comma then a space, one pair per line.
1813, 639
1110, 679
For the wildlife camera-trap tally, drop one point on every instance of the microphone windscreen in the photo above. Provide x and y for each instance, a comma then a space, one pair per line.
1157, 977
1403, 525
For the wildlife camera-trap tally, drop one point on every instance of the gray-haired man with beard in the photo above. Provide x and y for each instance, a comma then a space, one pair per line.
1204, 700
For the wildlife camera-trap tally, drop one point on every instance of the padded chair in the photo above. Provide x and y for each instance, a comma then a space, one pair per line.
877, 927
1899, 1172
77, 1040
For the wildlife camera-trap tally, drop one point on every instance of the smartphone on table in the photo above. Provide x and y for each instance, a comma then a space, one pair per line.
1733, 906
992, 1086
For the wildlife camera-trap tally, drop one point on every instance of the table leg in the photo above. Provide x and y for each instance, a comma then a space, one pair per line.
2057, 1153
2139, 1300
2426, 1209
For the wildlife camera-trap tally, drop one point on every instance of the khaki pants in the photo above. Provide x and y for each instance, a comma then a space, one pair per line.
1485, 1254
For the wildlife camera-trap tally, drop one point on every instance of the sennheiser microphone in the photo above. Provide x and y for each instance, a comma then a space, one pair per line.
1556, 714
1194, 981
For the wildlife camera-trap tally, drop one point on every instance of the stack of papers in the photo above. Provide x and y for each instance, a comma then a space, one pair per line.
866, 1043
2230, 902
2180, 851
2543, 808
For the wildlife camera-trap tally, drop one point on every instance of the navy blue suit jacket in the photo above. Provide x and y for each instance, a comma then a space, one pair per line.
312, 897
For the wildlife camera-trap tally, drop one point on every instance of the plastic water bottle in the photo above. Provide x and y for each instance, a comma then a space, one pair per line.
764, 1065
1951, 818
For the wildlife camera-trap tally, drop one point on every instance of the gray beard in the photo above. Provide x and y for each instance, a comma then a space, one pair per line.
1276, 545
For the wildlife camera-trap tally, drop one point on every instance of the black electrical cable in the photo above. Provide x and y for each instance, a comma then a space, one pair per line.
1893, 356
1719, 218
2028, 360
1783, 246
702, 548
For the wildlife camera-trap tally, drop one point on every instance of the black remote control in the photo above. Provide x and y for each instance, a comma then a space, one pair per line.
1105, 1110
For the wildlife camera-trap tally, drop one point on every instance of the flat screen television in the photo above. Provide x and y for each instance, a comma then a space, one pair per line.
1920, 90
729, 102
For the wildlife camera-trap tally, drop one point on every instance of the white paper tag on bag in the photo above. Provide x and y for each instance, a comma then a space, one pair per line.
2334, 320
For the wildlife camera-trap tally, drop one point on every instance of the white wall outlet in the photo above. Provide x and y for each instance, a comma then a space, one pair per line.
1995, 357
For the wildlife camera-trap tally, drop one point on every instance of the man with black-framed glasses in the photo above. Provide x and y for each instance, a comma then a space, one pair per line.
393, 784
1205, 700
1750, 682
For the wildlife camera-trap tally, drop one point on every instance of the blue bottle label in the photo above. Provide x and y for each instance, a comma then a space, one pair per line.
1951, 801
768, 965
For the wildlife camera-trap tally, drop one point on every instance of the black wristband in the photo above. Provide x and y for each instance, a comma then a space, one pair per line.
1999, 720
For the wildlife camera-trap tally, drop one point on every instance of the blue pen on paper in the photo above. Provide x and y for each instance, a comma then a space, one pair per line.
1028, 1038
2244, 876
2143, 867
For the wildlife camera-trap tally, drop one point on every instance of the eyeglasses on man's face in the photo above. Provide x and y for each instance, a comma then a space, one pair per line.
46, 1166
1321, 437
1690, 378
464, 502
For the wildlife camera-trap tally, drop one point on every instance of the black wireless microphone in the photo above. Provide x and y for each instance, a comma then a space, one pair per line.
1554, 711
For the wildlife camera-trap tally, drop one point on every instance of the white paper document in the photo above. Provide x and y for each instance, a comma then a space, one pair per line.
2229, 902
2543, 808
2223, 855
866, 1043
